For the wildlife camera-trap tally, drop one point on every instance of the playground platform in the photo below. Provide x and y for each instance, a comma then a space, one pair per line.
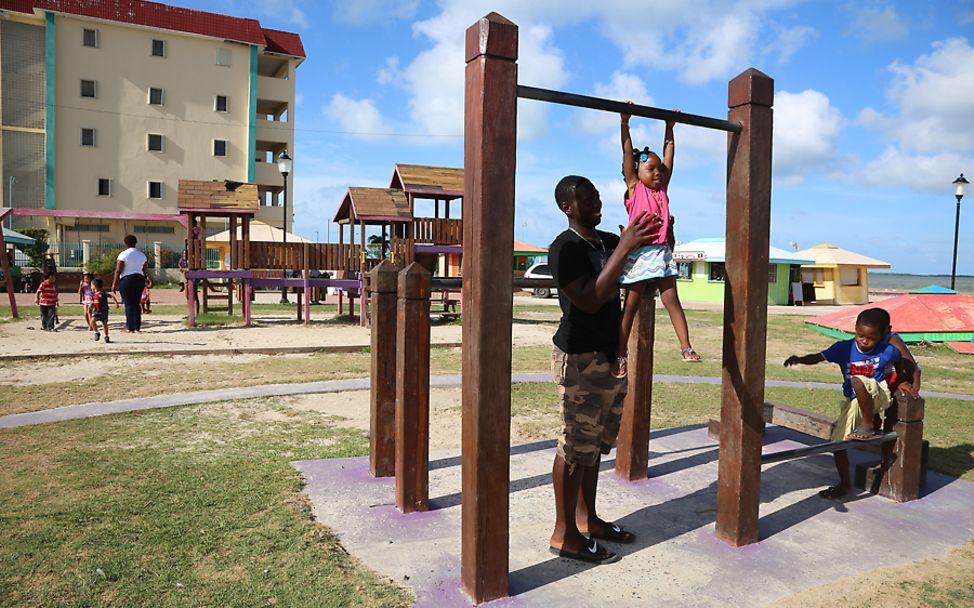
676, 559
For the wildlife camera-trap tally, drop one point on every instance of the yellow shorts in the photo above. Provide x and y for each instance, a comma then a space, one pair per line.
850, 416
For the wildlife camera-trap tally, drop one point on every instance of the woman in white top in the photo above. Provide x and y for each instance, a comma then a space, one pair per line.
129, 280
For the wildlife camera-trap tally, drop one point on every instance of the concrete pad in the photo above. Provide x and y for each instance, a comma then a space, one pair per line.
676, 559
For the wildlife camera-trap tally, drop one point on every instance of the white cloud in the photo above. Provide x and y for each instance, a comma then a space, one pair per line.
357, 117
922, 173
789, 41
806, 130
389, 72
368, 12
876, 23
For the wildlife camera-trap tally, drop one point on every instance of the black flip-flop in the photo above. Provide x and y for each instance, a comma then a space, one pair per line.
833, 493
592, 553
615, 533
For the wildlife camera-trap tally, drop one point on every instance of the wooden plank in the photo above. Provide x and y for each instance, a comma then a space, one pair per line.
750, 97
632, 454
820, 448
412, 390
795, 418
490, 125
382, 419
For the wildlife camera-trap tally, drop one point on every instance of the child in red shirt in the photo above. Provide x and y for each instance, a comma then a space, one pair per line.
99, 309
47, 298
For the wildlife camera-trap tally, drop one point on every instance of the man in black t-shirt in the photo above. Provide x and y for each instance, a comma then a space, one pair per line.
586, 264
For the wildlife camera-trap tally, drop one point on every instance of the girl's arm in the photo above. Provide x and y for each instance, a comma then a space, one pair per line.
628, 170
668, 148
811, 359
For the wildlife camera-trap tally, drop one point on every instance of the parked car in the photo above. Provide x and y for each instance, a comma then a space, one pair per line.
540, 271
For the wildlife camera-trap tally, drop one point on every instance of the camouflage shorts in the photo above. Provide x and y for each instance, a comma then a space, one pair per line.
591, 405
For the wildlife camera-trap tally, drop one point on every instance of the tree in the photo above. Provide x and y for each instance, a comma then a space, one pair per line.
35, 251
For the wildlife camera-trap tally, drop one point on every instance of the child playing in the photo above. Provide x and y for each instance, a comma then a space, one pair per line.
47, 298
863, 361
87, 295
146, 299
647, 178
99, 309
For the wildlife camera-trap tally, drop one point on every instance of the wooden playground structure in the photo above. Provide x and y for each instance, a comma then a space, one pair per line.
400, 331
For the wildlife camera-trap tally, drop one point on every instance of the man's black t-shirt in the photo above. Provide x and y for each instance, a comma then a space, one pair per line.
571, 257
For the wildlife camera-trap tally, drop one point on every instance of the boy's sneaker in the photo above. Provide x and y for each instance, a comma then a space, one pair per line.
107, 341
98, 336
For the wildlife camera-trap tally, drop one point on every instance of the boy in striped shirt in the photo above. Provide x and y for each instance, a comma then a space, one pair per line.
47, 298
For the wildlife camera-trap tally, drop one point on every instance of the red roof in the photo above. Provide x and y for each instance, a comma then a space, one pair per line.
912, 313
163, 16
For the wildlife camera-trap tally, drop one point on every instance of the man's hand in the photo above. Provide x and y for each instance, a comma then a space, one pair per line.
642, 229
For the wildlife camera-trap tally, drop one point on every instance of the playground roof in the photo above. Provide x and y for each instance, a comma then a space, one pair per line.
12, 237
260, 233
712, 250
929, 316
830, 255
373, 205
217, 197
425, 181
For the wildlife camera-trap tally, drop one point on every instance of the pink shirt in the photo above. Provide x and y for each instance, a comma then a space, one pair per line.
650, 201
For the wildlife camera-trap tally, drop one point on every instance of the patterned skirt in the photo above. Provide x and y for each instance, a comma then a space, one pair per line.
648, 262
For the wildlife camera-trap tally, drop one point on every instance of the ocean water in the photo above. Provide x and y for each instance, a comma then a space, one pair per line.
909, 282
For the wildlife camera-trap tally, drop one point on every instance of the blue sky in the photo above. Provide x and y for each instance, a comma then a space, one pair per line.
874, 108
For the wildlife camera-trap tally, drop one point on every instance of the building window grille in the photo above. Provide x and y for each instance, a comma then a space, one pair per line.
88, 88
87, 137
154, 230
154, 142
717, 271
155, 189
223, 57
684, 270
772, 273
156, 96
158, 48
222, 104
90, 38
87, 228
219, 147
104, 186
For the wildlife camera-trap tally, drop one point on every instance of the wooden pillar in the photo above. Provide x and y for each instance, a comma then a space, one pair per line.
632, 454
5, 264
750, 97
191, 299
245, 264
306, 273
413, 389
490, 125
363, 296
902, 480
382, 425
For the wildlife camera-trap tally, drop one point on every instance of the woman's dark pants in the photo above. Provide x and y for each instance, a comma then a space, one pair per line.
130, 287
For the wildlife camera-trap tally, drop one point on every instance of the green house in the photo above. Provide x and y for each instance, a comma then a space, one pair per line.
701, 268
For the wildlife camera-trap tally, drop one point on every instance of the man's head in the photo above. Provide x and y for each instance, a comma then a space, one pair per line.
578, 198
872, 326
49, 275
130, 240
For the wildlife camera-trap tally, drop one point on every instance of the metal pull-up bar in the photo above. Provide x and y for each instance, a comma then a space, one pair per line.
619, 107
824, 447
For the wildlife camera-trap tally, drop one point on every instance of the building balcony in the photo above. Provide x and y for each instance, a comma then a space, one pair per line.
267, 174
275, 132
275, 89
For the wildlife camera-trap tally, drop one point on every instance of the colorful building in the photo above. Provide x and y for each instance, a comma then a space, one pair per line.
839, 276
701, 267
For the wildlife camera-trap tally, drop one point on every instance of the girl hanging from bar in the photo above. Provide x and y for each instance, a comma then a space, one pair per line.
651, 266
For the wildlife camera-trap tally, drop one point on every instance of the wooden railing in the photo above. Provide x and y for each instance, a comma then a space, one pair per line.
437, 231
320, 256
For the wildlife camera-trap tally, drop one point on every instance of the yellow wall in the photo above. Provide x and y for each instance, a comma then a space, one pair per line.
828, 287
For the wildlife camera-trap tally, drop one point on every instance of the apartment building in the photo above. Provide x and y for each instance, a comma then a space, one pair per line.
107, 104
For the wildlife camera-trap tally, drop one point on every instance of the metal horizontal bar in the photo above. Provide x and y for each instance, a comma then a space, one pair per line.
823, 447
619, 107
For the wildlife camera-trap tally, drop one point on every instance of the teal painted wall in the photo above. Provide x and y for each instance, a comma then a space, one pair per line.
49, 100
701, 289
252, 127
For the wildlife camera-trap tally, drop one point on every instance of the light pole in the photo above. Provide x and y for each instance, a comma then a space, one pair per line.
284, 166
960, 183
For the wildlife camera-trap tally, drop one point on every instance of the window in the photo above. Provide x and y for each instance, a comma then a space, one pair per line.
717, 271
156, 96
158, 48
104, 186
219, 147
155, 189
772, 273
849, 276
223, 57
87, 137
154, 230
88, 88
221, 104
87, 228
89, 38
684, 270
154, 143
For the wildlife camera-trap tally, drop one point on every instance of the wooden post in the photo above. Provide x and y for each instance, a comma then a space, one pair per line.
632, 455
245, 264
234, 263
5, 264
490, 126
413, 390
902, 479
382, 435
191, 298
750, 97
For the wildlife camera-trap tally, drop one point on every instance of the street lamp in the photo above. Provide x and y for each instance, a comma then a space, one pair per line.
284, 166
960, 183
